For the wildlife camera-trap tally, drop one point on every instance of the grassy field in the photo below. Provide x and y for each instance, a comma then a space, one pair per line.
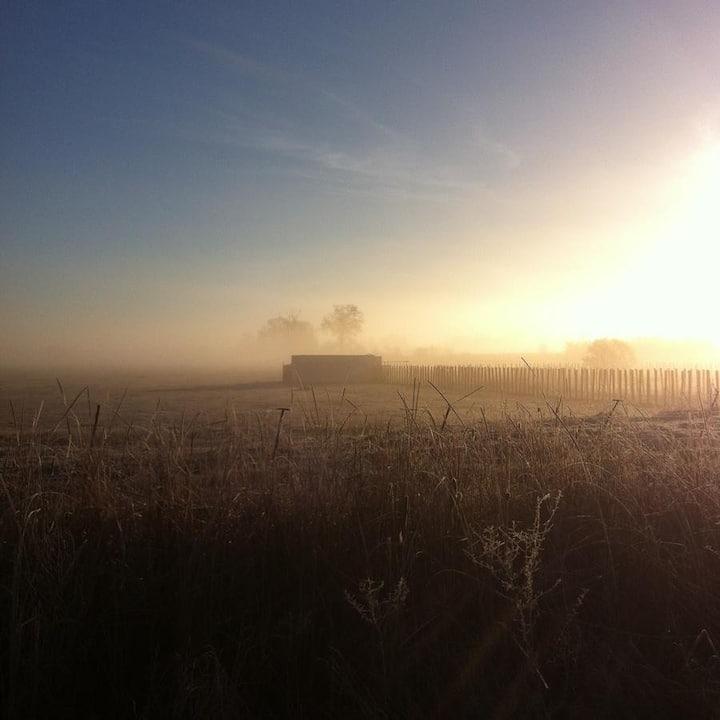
183, 551
183, 397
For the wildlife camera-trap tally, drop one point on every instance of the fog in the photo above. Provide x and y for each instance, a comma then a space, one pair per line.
215, 352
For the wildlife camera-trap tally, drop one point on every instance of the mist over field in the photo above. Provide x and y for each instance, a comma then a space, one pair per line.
359, 359
173, 184
254, 354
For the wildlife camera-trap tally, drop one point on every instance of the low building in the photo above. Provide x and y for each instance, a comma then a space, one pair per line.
305, 370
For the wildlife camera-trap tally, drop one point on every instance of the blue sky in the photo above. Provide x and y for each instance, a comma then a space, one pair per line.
173, 173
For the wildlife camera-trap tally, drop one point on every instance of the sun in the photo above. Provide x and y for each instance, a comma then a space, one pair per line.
691, 251
664, 282
677, 283
701, 214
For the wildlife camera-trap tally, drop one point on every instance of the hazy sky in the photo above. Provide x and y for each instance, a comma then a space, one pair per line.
488, 174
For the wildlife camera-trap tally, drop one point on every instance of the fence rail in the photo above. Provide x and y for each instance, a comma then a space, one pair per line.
656, 386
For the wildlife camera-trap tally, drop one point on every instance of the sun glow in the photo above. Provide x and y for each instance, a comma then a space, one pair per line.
684, 268
666, 286
699, 220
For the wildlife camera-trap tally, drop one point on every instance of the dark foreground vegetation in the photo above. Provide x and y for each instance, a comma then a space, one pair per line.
523, 568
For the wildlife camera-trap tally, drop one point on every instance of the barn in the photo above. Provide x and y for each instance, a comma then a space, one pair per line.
332, 370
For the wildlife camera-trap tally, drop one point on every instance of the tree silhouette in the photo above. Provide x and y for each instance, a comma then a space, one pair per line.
345, 322
288, 332
607, 353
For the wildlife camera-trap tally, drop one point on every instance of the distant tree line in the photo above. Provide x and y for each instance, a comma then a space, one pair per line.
344, 324
609, 352
601, 353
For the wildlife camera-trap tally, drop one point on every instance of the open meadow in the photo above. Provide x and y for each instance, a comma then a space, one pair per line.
193, 551
136, 400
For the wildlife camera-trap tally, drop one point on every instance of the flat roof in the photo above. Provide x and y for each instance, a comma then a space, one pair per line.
332, 357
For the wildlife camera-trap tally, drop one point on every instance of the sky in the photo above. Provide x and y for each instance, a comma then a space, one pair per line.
483, 175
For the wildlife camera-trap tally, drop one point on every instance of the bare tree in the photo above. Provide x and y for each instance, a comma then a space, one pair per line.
288, 332
607, 352
345, 322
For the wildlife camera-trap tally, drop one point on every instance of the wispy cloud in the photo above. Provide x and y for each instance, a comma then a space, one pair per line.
378, 172
356, 112
239, 62
487, 144
372, 158
291, 81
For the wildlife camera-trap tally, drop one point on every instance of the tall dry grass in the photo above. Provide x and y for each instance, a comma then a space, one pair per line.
550, 567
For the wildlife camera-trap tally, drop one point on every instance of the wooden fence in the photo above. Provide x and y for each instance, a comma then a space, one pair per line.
656, 386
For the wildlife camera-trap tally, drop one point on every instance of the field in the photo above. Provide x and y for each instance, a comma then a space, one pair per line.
188, 549
141, 398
